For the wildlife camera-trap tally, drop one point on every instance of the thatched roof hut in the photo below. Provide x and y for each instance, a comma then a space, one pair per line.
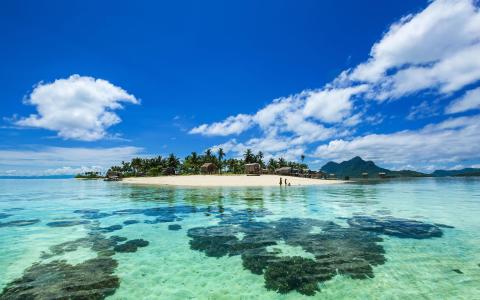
365, 175
253, 169
284, 171
382, 174
208, 168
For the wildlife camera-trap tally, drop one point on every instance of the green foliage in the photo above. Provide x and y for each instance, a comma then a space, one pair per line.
89, 175
192, 163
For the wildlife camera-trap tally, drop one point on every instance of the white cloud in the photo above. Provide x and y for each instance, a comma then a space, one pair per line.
79, 107
423, 110
469, 101
453, 140
331, 105
60, 160
231, 125
438, 48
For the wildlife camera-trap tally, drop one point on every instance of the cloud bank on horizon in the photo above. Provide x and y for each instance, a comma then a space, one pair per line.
435, 52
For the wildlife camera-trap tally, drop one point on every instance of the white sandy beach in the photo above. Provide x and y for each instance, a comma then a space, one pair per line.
226, 180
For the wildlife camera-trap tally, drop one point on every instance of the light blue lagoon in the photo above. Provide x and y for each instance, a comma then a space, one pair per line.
400, 239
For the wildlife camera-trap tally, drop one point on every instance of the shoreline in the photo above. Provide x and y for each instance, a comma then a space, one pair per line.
227, 181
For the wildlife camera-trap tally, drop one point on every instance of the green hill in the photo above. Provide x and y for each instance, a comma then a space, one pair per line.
355, 167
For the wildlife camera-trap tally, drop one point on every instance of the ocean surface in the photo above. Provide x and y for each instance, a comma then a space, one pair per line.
78, 239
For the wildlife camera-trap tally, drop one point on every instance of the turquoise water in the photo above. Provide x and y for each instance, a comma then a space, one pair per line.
356, 241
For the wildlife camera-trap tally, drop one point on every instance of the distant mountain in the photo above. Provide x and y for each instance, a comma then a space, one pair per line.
462, 172
355, 167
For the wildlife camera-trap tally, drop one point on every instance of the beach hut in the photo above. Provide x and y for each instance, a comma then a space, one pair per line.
382, 175
208, 168
168, 171
365, 175
253, 169
284, 171
113, 176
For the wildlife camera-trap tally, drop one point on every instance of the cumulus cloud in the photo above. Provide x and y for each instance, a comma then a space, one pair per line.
469, 101
63, 160
437, 48
231, 125
331, 105
453, 140
78, 107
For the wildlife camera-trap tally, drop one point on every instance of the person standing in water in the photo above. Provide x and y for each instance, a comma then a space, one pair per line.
285, 181
280, 181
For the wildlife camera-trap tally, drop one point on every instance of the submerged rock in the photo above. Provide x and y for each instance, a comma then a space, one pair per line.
458, 271
402, 228
174, 227
131, 246
68, 223
92, 279
19, 223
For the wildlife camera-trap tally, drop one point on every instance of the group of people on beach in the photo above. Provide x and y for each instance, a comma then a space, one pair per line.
285, 182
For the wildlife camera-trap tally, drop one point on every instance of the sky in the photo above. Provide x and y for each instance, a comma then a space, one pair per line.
87, 84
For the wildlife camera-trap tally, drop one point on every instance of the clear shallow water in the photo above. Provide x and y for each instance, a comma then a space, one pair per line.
445, 267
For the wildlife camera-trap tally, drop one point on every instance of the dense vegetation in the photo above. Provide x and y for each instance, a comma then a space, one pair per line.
192, 163
89, 175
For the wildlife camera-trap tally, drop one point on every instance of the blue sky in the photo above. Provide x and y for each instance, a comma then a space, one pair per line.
86, 83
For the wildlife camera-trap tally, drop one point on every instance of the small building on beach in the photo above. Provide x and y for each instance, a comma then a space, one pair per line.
382, 175
284, 171
253, 169
365, 175
208, 168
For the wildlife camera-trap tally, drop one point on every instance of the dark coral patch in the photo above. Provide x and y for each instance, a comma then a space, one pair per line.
91, 214
348, 251
67, 223
109, 228
458, 271
293, 273
131, 246
14, 209
402, 228
443, 225
86, 211
130, 222
162, 219
19, 223
4, 215
174, 227
92, 279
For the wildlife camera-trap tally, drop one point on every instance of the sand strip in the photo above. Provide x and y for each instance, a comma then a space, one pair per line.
226, 180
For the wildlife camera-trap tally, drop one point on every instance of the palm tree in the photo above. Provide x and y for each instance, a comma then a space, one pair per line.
221, 155
302, 157
272, 165
249, 157
136, 164
282, 162
208, 155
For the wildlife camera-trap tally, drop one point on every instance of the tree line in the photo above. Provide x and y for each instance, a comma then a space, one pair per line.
192, 163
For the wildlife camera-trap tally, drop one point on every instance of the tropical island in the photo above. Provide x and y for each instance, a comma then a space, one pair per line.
205, 170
